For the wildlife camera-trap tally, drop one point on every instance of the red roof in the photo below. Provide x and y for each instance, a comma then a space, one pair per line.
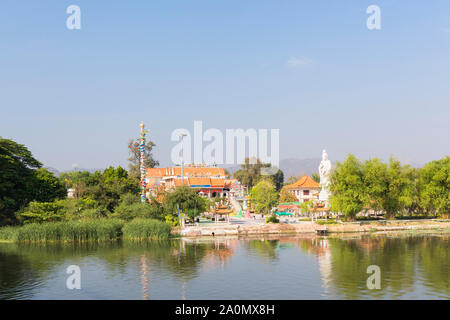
304, 182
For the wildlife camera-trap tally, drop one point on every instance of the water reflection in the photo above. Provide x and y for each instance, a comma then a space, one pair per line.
412, 266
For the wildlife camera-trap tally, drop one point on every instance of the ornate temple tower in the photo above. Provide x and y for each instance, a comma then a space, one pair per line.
142, 161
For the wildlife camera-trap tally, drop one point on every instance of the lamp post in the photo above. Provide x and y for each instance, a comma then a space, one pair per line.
182, 160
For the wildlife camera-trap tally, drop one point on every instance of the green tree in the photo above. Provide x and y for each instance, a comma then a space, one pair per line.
375, 185
187, 200
264, 196
398, 180
347, 187
135, 157
292, 179
17, 166
112, 183
80, 181
305, 206
286, 196
316, 177
435, 187
278, 179
77, 209
250, 173
47, 187
22, 180
139, 210
411, 193
40, 212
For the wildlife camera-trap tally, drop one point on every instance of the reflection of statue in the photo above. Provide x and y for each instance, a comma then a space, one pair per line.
324, 171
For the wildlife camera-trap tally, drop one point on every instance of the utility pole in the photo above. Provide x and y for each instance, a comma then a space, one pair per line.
182, 160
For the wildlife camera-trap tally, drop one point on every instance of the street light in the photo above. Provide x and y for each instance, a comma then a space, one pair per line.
182, 156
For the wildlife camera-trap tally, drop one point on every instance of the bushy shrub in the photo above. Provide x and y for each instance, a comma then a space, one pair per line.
138, 210
40, 212
172, 220
61, 210
76, 209
325, 222
272, 219
146, 229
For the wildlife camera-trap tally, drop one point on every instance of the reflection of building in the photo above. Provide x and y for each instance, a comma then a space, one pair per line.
220, 254
208, 181
144, 278
305, 189
324, 259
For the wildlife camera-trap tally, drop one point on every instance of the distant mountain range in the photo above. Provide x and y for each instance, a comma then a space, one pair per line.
292, 167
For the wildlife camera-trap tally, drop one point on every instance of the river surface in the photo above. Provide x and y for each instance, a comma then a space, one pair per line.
302, 267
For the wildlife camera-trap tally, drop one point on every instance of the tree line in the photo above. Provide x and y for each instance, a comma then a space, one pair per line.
30, 193
390, 188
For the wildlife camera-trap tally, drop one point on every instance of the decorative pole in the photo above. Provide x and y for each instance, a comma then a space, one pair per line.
142, 166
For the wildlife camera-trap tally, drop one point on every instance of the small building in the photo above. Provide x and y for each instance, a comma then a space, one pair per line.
71, 193
305, 189
290, 207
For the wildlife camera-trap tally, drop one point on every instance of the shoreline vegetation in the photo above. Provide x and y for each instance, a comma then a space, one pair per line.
150, 229
105, 205
90, 230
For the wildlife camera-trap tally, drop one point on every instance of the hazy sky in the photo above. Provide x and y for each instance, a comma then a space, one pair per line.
310, 68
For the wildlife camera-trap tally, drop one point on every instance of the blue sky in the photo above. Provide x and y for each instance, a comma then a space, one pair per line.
310, 68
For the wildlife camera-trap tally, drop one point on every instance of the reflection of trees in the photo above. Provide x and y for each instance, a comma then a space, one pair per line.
16, 276
435, 262
264, 249
403, 260
399, 260
21, 264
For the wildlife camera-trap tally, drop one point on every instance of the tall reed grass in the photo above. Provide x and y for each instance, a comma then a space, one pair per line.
146, 229
95, 230
8, 233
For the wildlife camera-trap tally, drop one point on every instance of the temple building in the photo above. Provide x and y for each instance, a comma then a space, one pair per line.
305, 189
208, 181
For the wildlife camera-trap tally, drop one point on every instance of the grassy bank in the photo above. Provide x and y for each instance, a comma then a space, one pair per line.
145, 229
90, 230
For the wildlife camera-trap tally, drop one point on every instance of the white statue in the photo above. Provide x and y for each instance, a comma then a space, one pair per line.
324, 171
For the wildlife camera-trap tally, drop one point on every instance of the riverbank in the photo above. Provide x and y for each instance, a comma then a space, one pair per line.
312, 228
89, 230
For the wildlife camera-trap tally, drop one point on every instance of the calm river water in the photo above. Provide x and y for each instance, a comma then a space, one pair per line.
300, 267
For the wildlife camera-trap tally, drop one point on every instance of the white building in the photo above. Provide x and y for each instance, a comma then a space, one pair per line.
305, 189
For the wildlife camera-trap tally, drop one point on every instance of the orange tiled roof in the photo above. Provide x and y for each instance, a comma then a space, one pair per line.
188, 171
220, 183
199, 181
177, 182
303, 182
